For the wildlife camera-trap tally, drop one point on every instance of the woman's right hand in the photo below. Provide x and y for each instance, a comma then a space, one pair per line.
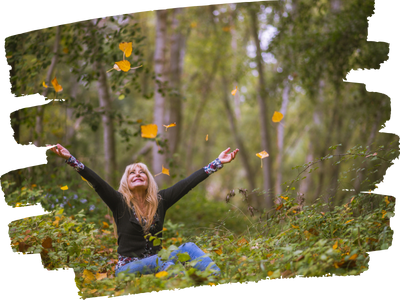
61, 151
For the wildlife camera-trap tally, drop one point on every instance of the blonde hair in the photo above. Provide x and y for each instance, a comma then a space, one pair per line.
151, 202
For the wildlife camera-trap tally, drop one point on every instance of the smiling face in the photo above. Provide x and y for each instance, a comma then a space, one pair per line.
137, 179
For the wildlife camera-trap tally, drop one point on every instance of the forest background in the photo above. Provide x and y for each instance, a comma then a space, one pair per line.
219, 71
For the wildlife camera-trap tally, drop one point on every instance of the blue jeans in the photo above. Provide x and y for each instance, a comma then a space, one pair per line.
154, 263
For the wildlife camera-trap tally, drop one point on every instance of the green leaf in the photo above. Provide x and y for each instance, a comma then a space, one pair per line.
182, 257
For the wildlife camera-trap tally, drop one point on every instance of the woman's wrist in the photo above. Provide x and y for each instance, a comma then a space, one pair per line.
76, 164
213, 166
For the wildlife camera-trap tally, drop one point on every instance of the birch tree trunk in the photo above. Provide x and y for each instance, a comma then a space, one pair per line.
159, 96
280, 134
174, 113
263, 110
40, 109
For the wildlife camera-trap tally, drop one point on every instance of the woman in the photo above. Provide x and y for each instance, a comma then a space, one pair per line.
139, 211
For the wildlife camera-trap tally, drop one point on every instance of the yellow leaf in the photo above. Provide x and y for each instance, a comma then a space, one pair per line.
105, 225
348, 221
56, 85
64, 188
270, 273
234, 91
295, 227
164, 229
100, 276
383, 213
55, 223
126, 48
211, 283
123, 65
18, 204
262, 154
353, 257
335, 245
387, 200
277, 117
45, 85
88, 276
161, 274
165, 171
218, 251
284, 198
149, 131
207, 137
193, 24
83, 179
170, 125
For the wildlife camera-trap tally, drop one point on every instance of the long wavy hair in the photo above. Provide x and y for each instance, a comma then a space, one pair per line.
151, 196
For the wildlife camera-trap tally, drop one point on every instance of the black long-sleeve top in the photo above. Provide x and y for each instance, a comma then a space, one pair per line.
131, 236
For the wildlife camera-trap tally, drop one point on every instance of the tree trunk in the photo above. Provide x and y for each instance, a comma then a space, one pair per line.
280, 134
243, 154
263, 110
159, 93
40, 109
175, 103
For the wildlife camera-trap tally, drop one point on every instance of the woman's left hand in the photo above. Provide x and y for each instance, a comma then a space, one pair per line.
226, 157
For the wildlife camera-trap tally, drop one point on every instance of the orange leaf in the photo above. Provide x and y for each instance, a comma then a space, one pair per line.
279, 207
335, 245
126, 48
234, 91
284, 198
211, 283
88, 276
383, 213
387, 200
64, 188
218, 251
47, 242
193, 24
207, 137
348, 221
277, 117
170, 125
353, 257
123, 65
45, 85
295, 227
56, 85
100, 276
149, 131
241, 242
105, 225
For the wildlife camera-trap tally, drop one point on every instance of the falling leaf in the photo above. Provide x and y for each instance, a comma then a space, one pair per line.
262, 154
64, 188
335, 245
123, 65
56, 85
277, 117
45, 85
207, 137
165, 171
149, 131
170, 125
226, 28
161, 274
234, 91
126, 48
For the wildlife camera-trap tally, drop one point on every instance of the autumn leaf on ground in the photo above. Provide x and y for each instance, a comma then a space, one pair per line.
170, 125
161, 274
64, 188
234, 91
88, 276
56, 85
262, 154
100, 276
149, 131
277, 117
126, 48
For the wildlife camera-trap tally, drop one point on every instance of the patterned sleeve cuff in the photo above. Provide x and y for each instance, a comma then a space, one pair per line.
76, 164
213, 166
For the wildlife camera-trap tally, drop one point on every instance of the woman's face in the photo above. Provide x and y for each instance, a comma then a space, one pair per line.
137, 179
